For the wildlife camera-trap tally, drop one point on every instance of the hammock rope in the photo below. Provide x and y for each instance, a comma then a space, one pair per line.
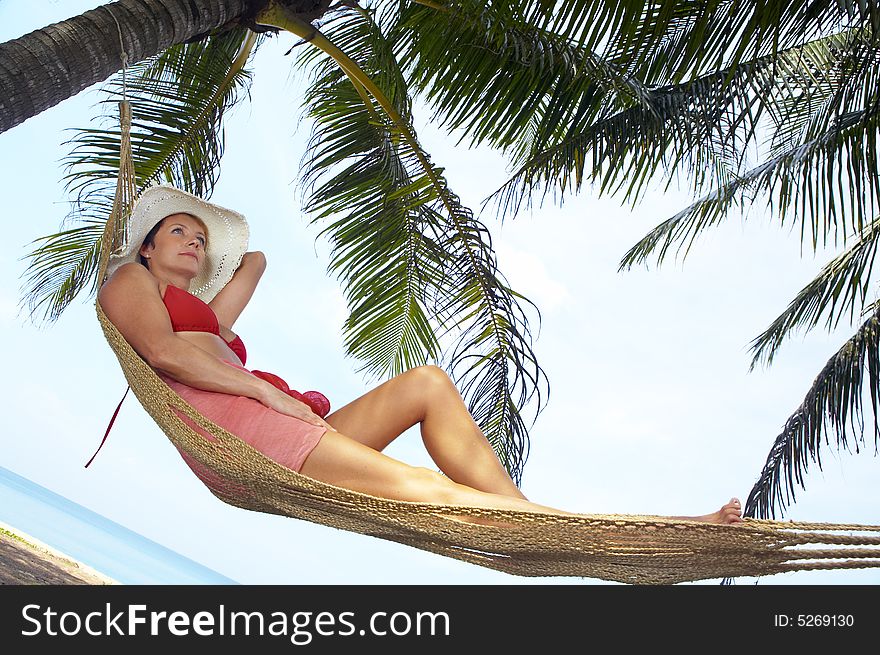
637, 549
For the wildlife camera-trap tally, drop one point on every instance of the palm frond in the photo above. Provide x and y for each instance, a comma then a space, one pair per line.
830, 181
702, 129
413, 259
692, 127
673, 42
831, 409
178, 101
684, 39
508, 84
569, 116
841, 285
63, 264
821, 82
513, 75
810, 179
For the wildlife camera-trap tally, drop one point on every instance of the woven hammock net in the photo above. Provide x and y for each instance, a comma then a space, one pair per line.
623, 548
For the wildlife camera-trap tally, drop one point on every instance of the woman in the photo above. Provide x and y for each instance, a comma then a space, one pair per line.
176, 291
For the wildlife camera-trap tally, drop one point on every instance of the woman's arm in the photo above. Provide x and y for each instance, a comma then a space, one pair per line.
229, 303
132, 302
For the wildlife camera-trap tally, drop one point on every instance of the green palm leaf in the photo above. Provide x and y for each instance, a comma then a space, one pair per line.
824, 170
371, 206
793, 179
508, 84
62, 265
673, 41
832, 406
512, 75
412, 258
840, 287
703, 129
178, 100
691, 128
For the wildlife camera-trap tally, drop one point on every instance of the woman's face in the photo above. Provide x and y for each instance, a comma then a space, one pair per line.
179, 246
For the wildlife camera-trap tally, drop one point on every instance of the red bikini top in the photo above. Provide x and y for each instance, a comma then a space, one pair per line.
190, 314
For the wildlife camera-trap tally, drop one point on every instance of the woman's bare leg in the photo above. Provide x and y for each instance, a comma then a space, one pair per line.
345, 462
426, 395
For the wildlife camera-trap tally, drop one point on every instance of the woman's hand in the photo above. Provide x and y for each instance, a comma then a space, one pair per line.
276, 399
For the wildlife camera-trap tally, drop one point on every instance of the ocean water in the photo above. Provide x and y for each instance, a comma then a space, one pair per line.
95, 540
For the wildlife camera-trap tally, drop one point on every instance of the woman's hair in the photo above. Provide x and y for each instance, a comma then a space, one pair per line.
150, 239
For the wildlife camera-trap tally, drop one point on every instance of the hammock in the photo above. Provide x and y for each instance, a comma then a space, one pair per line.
622, 548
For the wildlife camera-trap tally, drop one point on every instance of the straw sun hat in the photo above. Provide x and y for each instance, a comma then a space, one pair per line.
227, 235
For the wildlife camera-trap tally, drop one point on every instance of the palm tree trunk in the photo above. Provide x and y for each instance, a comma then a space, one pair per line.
40, 69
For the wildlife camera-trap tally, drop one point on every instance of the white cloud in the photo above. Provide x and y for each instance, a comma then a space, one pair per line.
528, 275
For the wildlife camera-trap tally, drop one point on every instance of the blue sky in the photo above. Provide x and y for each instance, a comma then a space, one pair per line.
652, 408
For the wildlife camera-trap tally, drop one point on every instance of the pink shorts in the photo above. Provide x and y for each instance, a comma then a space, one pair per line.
280, 437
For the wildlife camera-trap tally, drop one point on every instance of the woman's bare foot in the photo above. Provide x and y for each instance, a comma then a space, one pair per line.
730, 513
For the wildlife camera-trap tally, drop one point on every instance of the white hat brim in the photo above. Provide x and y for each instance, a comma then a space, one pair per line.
228, 235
